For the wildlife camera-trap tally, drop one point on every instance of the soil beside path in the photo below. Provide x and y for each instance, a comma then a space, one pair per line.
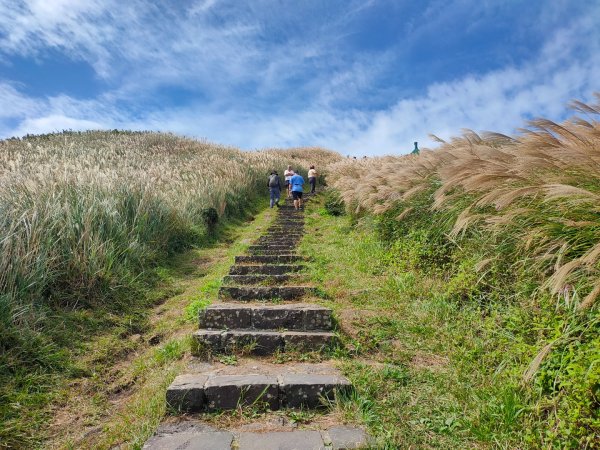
119, 400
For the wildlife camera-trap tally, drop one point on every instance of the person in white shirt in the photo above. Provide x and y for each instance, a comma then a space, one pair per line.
312, 179
288, 174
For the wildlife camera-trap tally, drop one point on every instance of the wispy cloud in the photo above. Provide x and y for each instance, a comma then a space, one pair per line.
258, 74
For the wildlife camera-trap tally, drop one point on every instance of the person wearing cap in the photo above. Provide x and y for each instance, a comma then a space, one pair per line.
274, 185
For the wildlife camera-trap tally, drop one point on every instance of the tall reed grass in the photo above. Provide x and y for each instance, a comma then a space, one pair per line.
84, 215
513, 219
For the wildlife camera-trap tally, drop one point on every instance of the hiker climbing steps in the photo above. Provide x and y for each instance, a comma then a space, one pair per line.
261, 312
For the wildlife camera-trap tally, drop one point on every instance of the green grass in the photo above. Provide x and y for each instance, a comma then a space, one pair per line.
133, 347
428, 372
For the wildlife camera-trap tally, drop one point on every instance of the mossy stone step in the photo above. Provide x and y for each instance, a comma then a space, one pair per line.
295, 237
303, 317
276, 243
266, 269
249, 293
261, 342
271, 246
260, 279
199, 392
276, 251
268, 259
281, 239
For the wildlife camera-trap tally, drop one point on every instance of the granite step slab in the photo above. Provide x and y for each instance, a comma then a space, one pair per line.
261, 342
260, 279
268, 259
199, 392
283, 251
298, 317
278, 240
272, 246
249, 293
266, 269
203, 437
282, 236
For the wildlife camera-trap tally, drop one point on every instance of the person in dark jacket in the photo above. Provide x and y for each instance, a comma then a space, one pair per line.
274, 184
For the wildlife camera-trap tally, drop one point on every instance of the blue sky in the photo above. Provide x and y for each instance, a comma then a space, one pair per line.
362, 77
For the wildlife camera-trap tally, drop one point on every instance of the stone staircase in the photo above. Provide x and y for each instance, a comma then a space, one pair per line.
261, 312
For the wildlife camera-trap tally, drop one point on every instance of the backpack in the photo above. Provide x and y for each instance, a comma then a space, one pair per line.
273, 181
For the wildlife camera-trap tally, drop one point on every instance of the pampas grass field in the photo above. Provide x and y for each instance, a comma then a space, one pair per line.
508, 221
84, 216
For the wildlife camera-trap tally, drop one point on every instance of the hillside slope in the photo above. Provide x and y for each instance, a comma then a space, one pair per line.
509, 226
86, 221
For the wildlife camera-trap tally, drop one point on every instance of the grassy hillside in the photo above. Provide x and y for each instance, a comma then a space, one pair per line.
86, 221
508, 227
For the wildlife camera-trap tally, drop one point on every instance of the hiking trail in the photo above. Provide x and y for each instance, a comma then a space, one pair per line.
260, 316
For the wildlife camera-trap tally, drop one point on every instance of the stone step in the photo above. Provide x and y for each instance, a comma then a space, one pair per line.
287, 224
260, 279
278, 239
266, 269
200, 392
231, 316
261, 342
287, 231
277, 243
282, 236
248, 293
203, 437
275, 251
268, 259
270, 246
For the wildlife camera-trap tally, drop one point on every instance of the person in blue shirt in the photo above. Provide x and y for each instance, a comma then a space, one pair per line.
297, 187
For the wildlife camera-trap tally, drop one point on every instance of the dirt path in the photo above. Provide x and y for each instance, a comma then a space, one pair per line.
120, 403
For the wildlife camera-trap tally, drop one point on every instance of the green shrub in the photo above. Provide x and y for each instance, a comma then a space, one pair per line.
334, 204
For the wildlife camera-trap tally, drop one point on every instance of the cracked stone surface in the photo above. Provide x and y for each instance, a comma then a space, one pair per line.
186, 393
246, 293
231, 391
209, 440
226, 317
301, 316
291, 440
268, 259
305, 341
312, 390
269, 269
261, 342
348, 438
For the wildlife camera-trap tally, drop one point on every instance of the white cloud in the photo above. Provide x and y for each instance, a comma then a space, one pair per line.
55, 123
16, 105
138, 46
